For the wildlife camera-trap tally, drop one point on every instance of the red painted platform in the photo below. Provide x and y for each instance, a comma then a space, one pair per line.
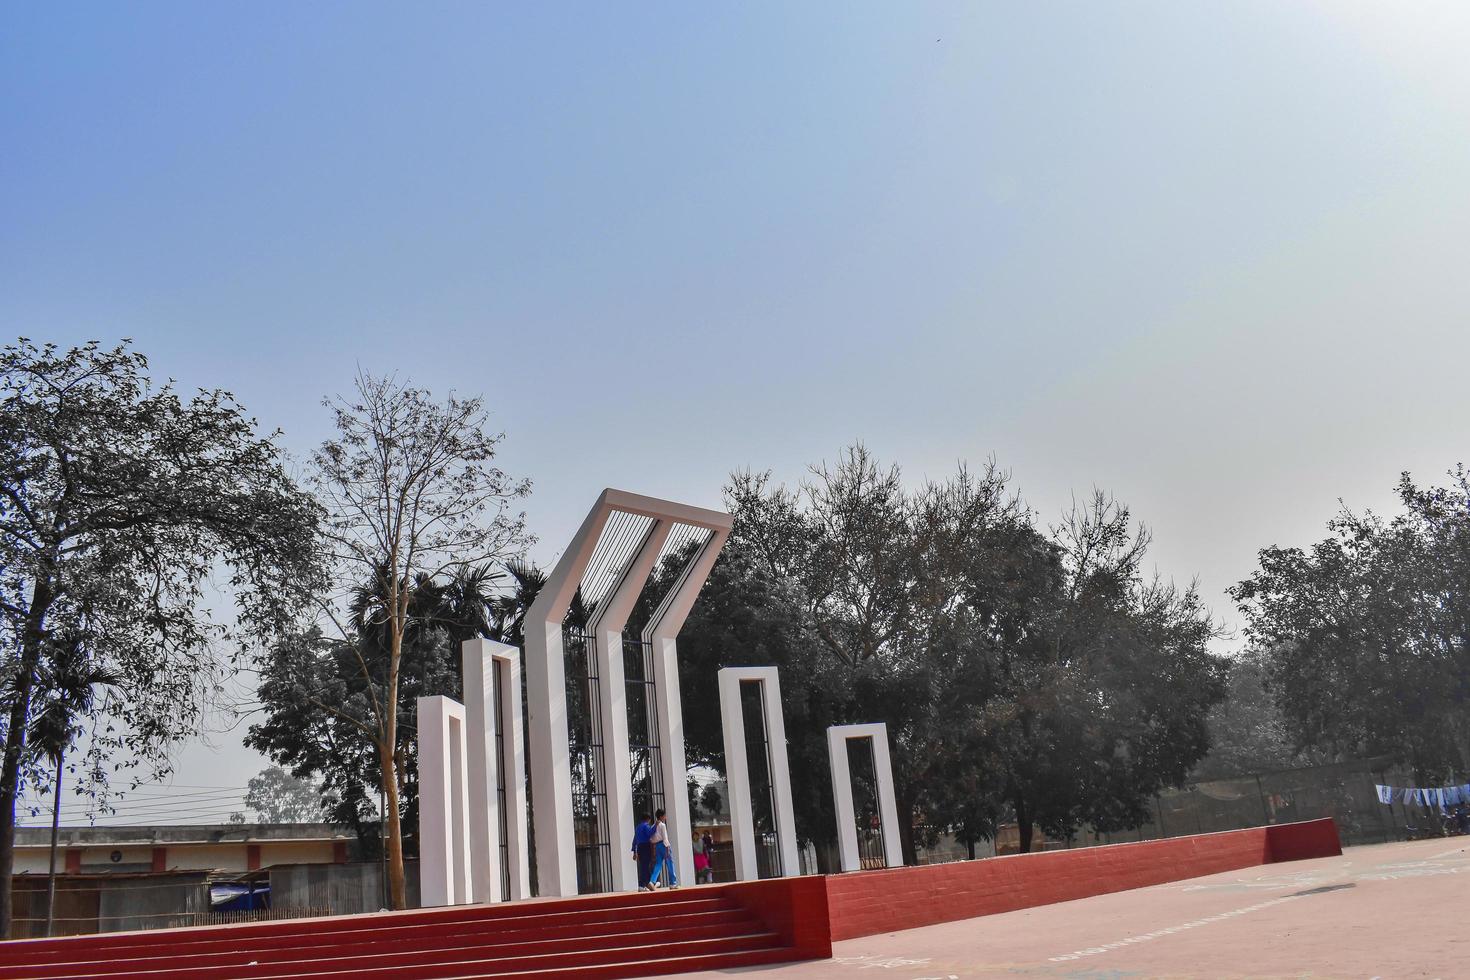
870, 902
604, 936
636, 935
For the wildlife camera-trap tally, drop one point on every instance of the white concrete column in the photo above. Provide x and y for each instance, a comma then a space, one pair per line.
668, 708
482, 662
847, 843
513, 764
551, 767
737, 769
444, 817
612, 702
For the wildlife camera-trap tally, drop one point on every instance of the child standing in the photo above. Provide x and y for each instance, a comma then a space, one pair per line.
662, 856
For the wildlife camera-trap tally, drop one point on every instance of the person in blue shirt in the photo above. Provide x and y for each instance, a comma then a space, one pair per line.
643, 849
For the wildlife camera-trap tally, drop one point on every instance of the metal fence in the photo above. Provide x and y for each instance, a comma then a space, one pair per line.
1343, 791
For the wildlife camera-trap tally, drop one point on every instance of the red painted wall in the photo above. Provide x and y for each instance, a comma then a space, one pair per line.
796, 908
1308, 839
869, 902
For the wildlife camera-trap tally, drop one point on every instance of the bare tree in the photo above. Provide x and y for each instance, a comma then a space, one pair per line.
412, 493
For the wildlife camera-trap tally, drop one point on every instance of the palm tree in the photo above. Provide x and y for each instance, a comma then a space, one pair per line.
69, 692
508, 611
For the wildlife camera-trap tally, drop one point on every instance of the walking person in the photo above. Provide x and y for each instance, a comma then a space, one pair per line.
663, 856
643, 850
701, 864
707, 848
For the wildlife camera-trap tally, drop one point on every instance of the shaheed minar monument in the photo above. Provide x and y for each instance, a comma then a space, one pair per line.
606, 733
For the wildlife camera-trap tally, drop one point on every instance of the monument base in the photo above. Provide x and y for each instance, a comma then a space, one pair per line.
706, 927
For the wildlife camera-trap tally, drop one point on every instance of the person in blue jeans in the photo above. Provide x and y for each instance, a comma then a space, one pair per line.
643, 850
663, 857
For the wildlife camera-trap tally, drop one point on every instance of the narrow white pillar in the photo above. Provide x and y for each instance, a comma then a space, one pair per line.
482, 662
847, 843
737, 769
551, 766
662, 632
444, 817
667, 708
612, 702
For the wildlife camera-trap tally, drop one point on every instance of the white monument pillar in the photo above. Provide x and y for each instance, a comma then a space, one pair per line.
737, 769
627, 565
662, 632
546, 711
847, 843
483, 661
444, 815
607, 626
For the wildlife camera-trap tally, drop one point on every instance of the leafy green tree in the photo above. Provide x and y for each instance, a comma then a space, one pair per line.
276, 796
1110, 706
852, 586
1248, 730
1366, 632
1021, 673
119, 503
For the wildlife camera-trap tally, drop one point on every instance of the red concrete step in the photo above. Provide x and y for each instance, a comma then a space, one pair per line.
445, 964
652, 968
555, 940
603, 936
426, 922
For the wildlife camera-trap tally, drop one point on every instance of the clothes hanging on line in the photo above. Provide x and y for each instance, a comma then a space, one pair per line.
1436, 796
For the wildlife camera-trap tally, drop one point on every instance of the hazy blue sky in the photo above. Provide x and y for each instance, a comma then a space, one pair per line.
1209, 256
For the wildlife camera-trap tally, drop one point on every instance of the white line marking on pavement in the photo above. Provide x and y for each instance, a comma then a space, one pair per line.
1159, 933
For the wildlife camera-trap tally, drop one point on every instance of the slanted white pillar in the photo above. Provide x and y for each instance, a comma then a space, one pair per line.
486, 666
737, 769
546, 709
667, 708
612, 692
546, 683
847, 843
662, 632
444, 815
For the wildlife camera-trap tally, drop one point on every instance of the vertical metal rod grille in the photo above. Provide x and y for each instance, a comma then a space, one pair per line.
774, 837
589, 792
644, 746
762, 785
872, 852
497, 682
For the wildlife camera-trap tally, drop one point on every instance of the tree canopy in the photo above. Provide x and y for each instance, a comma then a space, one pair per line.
1367, 632
1023, 672
120, 505
276, 796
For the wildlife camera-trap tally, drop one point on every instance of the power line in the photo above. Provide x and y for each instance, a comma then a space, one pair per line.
147, 808
143, 801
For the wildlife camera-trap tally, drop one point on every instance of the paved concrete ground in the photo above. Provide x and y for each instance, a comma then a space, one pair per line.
1389, 910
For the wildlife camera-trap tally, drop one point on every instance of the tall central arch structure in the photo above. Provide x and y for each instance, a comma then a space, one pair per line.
603, 705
